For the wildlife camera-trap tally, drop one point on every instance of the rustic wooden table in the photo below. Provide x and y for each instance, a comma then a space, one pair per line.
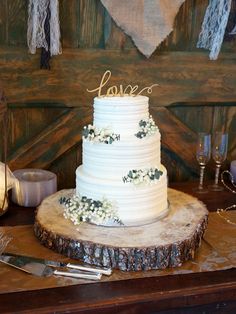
208, 292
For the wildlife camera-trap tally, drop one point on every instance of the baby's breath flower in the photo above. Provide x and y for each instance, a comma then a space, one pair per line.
80, 209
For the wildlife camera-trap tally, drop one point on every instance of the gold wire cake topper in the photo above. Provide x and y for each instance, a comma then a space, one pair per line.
115, 90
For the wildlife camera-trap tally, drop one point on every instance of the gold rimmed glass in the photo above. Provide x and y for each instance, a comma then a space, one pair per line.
219, 153
203, 154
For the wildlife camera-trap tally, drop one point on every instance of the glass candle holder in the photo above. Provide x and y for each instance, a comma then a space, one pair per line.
33, 186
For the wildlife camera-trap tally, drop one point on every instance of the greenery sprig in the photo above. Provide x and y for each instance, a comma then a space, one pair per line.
147, 127
139, 176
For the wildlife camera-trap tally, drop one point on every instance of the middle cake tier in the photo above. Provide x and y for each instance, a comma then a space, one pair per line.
116, 160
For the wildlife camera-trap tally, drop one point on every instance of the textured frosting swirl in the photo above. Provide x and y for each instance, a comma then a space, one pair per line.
121, 114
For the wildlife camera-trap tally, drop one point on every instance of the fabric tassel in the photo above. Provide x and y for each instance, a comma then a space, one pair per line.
45, 54
44, 29
213, 26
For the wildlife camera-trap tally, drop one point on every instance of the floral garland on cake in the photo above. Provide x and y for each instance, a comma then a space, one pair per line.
104, 135
139, 176
147, 127
83, 209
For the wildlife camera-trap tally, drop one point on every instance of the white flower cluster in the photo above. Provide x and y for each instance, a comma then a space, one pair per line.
147, 127
105, 135
82, 209
139, 176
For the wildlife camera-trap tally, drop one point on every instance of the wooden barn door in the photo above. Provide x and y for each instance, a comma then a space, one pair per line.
48, 109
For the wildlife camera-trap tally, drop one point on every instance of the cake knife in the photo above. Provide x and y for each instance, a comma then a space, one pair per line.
87, 268
43, 270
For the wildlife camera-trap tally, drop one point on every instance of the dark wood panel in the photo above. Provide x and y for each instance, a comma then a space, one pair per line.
197, 117
51, 143
13, 22
91, 24
26, 122
3, 23
69, 16
183, 77
65, 166
136, 296
3, 105
176, 137
187, 26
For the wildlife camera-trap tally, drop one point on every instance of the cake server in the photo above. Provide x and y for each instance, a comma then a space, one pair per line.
87, 268
42, 270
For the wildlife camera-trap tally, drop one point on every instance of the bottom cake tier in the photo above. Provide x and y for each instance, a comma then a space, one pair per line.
135, 204
165, 243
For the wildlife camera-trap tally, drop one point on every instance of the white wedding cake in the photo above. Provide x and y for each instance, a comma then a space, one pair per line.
122, 171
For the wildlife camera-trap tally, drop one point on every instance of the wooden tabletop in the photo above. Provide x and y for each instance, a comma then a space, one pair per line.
209, 292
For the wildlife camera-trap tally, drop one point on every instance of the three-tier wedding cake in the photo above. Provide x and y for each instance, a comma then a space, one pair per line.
121, 163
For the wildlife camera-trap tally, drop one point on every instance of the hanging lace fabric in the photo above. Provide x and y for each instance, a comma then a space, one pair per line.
44, 28
213, 26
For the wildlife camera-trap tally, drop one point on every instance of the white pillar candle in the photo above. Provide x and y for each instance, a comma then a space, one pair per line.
233, 169
32, 186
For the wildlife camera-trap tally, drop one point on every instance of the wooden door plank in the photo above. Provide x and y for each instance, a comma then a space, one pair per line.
3, 105
183, 77
177, 137
3, 23
16, 22
50, 144
91, 33
187, 26
69, 15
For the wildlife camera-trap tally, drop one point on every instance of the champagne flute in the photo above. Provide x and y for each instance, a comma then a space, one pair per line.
203, 154
219, 153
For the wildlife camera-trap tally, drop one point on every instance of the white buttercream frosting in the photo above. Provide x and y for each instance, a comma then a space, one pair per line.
120, 114
135, 204
104, 165
117, 159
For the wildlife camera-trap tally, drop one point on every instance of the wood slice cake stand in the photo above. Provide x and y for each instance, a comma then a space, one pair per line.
164, 243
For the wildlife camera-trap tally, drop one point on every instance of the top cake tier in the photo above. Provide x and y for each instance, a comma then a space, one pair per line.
121, 114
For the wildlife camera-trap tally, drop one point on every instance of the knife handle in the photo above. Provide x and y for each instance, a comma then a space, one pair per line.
94, 276
104, 271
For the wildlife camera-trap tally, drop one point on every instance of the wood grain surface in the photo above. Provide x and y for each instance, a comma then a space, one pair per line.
167, 242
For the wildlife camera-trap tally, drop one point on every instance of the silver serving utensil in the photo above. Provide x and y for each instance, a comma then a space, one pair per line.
42, 270
88, 268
